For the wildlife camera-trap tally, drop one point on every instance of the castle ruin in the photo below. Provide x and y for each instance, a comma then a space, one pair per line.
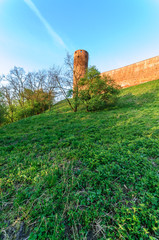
131, 75
80, 65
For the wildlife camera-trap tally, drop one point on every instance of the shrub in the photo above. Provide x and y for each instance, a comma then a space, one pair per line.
35, 102
96, 91
3, 111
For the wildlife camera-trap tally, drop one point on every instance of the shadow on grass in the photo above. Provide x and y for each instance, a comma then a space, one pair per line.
130, 100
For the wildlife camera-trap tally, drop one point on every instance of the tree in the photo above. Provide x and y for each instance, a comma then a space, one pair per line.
2, 110
69, 73
16, 83
96, 91
63, 77
8, 101
27, 94
60, 81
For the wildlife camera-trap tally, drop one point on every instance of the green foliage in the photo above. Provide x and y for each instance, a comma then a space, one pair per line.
3, 111
86, 175
28, 94
96, 91
35, 102
2, 114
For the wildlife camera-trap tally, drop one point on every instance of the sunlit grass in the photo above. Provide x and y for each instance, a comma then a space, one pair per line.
81, 175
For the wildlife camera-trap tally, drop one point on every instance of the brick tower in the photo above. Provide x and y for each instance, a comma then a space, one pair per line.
80, 66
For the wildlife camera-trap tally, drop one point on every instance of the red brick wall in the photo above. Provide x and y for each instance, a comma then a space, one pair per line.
80, 65
136, 73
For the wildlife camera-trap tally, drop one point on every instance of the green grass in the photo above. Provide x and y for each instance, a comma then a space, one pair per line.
81, 175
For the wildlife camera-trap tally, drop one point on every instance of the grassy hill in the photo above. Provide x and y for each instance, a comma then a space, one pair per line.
81, 175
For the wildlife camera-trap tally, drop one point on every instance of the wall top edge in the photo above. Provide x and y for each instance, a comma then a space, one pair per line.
80, 50
142, 61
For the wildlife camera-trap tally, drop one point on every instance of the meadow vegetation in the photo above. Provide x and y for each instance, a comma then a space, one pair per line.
83, 175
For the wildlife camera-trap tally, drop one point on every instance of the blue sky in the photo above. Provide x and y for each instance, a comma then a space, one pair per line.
36, 34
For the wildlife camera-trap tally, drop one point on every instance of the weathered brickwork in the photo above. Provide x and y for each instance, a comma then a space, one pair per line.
131, 75
136, 73
80, 65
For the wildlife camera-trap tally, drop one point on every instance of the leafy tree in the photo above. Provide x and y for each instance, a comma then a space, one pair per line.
96, 91
2, 110
27, 94
9, 102
35, 102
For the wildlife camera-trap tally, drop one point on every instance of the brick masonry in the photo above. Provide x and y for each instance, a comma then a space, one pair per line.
136, 73
80, 65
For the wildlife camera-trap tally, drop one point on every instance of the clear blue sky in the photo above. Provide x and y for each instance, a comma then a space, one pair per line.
35, 34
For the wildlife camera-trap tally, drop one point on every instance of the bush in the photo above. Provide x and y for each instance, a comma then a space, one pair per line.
2, 114
96, 91
3, 111
35, 103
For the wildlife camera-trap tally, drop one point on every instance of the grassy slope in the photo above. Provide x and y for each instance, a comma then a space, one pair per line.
83, 175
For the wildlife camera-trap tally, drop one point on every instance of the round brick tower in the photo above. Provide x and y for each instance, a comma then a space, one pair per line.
80, 66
